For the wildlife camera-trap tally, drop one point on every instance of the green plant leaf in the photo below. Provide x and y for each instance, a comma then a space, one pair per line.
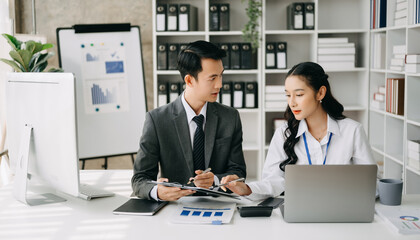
47, 45
12, 64
37, 58
55, 70
38, 47
41, 61
18, 58
40, 67
250, 31
26, 56
16, 44
23, 57
34, 59
29, 59
30, 46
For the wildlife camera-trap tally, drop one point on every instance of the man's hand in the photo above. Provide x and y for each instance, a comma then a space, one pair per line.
171, 193
239, 188
203, 180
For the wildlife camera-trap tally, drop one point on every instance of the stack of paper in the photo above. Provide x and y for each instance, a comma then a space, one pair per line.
412, 63
275, 97
400, 16
398, 56
378, 101
414, 154
336, 53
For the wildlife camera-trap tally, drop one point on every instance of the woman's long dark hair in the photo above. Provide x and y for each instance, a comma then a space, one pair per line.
315, 77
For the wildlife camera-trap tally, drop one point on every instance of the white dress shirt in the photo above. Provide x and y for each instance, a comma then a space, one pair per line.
348, 145
192, 125
190, 115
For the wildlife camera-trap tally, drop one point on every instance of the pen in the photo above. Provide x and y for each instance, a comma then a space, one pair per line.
222, 186
236, 180
205, 171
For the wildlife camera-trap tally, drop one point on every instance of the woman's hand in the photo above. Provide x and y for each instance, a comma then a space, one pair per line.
239, 188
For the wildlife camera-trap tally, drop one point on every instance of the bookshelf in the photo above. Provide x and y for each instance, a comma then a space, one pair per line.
252, 144
350, 86
388, 133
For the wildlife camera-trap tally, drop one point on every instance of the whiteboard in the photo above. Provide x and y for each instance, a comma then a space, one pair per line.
110, 86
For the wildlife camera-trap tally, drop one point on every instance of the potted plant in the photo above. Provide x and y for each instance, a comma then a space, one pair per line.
251, 31
28, 56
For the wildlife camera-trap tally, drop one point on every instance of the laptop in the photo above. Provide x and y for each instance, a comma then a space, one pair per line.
329, 193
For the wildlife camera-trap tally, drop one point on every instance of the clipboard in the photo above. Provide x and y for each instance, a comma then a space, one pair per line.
213, 193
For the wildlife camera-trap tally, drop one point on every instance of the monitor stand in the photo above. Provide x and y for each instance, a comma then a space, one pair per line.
22, 175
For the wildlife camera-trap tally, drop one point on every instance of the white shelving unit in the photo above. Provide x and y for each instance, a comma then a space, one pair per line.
252, 145
388, 133
333, 18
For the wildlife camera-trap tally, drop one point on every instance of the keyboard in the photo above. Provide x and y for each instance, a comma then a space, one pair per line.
88, 192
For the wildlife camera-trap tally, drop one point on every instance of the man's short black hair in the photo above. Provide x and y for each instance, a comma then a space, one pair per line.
189, 59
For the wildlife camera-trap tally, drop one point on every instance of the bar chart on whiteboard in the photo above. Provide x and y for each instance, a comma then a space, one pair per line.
105, 79
107, 62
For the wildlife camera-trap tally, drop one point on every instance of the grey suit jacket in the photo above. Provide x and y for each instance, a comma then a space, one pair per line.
166, 142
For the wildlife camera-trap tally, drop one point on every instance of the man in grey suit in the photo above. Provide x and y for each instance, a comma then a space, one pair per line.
192, 133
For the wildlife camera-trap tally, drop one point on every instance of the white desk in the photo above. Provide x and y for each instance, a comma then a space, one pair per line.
80, 219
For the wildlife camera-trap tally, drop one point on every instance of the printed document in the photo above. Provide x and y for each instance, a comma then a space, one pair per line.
209, 212
404, 220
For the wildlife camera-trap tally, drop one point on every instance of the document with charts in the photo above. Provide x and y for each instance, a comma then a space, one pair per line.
214, 212
404, 220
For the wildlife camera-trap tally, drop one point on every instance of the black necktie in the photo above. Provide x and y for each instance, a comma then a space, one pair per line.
198, 149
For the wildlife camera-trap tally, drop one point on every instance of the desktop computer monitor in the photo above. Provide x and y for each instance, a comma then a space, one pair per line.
45, 103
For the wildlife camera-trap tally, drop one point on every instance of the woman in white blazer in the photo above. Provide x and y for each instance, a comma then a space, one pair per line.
316, 132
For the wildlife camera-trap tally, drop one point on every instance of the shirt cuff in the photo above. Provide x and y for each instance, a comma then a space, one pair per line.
216, 182
254, 196
153, 193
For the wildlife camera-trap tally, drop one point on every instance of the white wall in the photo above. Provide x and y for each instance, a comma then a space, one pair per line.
5, 27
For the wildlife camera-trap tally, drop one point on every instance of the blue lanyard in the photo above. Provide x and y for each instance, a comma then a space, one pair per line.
307, 150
